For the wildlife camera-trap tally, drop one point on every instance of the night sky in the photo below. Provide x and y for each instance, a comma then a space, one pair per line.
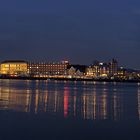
76, 30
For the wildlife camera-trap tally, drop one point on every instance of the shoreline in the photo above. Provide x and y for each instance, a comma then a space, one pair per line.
71, 79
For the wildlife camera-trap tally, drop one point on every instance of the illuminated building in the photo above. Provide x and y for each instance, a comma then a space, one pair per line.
98, 70
14, 68
122, 73
103, 70
113, 67
93, 70
89, 71
76, 70
43, 69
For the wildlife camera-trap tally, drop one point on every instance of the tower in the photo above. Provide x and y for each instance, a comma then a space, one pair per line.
113, 67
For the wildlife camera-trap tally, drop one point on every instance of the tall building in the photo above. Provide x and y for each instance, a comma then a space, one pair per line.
43, 69
113, 67
14, 68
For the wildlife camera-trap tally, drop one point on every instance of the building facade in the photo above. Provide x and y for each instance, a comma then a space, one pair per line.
113, 67
98, 70
76, 71
43, 69
14, 68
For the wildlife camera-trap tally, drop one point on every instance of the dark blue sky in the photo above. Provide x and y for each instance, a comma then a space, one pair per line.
78, 30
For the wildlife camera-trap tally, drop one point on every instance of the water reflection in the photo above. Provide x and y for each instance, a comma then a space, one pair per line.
139, 101
86, 100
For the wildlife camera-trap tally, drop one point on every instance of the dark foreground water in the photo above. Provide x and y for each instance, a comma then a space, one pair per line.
59, 110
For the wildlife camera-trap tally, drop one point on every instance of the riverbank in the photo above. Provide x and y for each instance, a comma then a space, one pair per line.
72, 79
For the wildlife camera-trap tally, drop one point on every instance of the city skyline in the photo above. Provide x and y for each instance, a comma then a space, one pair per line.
120, 65
74, 30
66, 71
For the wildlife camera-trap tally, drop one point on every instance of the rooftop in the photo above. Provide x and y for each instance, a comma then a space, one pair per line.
13, 61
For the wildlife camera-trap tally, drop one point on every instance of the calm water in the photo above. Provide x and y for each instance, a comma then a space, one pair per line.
69, 110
